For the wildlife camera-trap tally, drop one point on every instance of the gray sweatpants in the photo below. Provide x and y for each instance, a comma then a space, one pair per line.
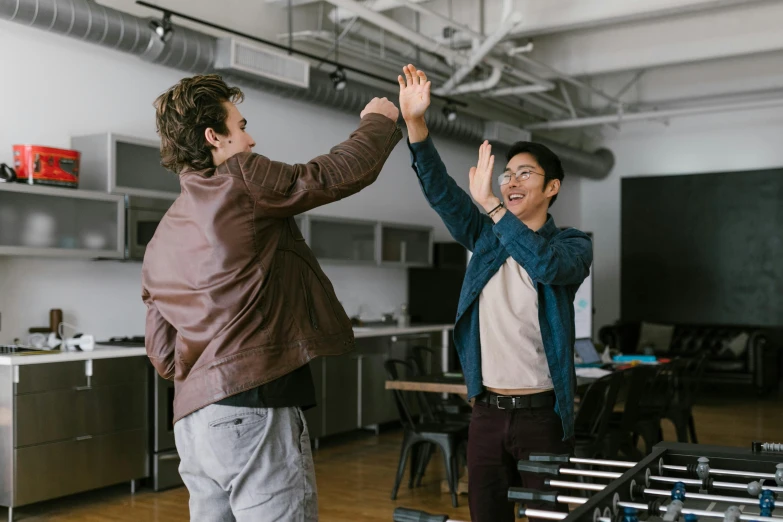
242, 464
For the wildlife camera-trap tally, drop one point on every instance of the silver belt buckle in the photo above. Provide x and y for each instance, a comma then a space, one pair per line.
512, 399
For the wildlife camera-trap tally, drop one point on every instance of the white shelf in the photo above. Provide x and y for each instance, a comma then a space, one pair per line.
73, 253
45, 190
45, 221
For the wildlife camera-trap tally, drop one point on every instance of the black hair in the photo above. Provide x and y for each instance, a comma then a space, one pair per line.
548, 160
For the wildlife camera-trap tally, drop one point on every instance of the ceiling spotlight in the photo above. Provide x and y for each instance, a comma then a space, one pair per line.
338, 79
450, 112
163, 28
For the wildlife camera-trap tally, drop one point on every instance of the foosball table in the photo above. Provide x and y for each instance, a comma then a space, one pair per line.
676, 482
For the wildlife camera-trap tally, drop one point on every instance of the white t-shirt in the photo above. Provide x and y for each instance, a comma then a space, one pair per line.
512, 351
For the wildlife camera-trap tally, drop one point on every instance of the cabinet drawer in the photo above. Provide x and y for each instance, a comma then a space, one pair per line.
63, 468
119, 371
66, 414
53, 376
378, 404
315, 416
341, 394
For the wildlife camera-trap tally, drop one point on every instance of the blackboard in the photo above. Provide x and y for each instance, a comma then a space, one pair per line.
703, 248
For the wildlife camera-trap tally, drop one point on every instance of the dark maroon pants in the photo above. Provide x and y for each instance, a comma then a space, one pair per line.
497, 440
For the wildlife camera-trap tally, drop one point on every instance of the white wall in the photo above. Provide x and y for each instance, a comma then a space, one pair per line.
86, 89
714, 143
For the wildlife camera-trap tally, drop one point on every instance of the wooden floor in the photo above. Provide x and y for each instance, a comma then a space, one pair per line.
355, 474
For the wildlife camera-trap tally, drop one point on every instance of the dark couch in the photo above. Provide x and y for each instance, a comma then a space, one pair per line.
737, 354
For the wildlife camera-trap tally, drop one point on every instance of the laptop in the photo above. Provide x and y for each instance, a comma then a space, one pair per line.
587, 352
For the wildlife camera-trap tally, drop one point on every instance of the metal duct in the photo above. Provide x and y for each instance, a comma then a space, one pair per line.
91, 22
194, 52
595, 165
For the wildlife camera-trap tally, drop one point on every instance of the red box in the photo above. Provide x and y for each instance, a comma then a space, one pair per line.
39, 165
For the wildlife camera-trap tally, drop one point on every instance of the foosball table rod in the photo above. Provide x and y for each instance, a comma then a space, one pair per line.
555, 515
586, 486
703, 465
547, 468
648, 491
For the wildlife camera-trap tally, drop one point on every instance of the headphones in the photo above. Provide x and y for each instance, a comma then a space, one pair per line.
79, 341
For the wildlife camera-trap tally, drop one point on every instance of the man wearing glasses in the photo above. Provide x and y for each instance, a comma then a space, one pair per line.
514, 331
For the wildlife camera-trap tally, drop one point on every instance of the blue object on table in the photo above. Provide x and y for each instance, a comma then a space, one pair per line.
690, 517
630, 515
631, 358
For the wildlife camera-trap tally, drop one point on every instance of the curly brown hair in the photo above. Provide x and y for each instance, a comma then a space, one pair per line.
182, 115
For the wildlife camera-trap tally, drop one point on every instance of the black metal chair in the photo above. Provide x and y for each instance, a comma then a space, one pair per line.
447, 436
653, 404
591, 423
687, 383
452, 404
620, 435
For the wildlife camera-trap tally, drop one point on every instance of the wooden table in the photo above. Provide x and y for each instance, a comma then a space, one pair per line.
441, 383
436, 383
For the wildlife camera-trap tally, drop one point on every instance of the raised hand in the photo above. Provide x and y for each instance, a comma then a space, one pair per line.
414, 93
381, 106
481, 178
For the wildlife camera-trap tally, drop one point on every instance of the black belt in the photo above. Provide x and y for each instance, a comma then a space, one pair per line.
513, 402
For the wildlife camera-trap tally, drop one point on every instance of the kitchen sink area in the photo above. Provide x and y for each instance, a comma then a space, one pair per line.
6, 349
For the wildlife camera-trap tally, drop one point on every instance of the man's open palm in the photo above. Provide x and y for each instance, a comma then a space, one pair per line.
414, 93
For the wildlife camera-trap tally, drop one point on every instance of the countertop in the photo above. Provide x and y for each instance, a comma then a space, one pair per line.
111, 352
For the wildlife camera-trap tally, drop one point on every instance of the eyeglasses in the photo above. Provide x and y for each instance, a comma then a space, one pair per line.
521, 175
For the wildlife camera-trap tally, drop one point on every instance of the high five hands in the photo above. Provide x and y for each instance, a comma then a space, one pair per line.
414, 101
481, 178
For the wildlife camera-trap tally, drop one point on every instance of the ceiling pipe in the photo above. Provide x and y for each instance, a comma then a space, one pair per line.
507, 23
410, 4
654, 115
481, 85
409, 35
426, 44
515, 91
573, 81
194, 52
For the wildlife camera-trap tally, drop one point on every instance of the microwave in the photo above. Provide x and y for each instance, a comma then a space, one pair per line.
143, 214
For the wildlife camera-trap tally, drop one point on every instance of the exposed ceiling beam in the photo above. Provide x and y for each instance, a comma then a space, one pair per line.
656, 115
750, 30
558, 16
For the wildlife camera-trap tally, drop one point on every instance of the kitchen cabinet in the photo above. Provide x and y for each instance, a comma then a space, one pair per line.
342, 240
39, 220
377, 403
341, 394
365, 242
315, 416
405, 245
120, 164
72, 426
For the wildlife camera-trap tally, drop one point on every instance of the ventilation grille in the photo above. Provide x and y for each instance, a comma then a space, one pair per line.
503, 133
257, 62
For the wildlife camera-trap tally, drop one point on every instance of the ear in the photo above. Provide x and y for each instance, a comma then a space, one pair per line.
212, 138
553, 188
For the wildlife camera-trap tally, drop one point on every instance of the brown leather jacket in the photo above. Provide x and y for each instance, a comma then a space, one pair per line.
235, 298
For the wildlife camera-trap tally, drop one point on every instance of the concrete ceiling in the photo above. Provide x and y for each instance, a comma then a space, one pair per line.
588, 54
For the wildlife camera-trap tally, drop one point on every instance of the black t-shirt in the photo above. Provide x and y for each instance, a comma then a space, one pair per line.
290, 390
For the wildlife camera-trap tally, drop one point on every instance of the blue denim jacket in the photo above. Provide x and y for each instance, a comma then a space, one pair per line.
558, 261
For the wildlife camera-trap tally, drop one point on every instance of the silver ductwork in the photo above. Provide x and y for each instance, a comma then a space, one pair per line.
194, 52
